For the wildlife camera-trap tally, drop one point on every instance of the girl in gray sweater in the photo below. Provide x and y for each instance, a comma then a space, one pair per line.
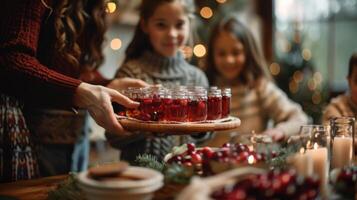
155, 56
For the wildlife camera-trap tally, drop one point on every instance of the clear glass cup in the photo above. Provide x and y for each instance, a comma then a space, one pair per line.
342, 140
316, 144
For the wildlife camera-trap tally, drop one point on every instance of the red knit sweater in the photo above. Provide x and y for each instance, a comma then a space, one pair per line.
26, 69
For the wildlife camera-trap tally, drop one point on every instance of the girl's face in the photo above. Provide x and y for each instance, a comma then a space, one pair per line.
352, 82
167, 28
229, 55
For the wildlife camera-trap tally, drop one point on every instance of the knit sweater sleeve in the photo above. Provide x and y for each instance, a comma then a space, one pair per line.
338, 107
21, 74
287, 115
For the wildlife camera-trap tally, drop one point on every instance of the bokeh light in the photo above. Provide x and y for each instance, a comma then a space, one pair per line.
111, 7
206, 12
274, 69
199, 50
115, 44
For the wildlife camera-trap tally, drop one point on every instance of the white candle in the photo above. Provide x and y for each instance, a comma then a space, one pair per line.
319, 157
303, 164
341, 152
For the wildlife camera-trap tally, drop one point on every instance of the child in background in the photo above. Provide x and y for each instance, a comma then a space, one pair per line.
155, 56
234, 61
345, 105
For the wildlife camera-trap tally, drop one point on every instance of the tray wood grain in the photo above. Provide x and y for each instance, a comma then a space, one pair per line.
180, 128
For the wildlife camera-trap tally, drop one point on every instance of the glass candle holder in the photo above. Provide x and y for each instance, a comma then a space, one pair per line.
342, 140
316, 140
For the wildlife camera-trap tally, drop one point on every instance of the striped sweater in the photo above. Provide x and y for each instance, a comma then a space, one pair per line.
256, 107
340, 106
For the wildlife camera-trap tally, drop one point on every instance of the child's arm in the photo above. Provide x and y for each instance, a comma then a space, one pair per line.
287, 115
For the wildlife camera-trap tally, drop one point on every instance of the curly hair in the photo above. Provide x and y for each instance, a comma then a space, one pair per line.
79, 31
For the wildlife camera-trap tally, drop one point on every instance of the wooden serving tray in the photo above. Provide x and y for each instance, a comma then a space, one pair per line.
176, 128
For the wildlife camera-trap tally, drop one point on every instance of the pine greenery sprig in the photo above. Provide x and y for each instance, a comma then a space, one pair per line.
283, 152
67, 190
149, 161
177, 174
173, 173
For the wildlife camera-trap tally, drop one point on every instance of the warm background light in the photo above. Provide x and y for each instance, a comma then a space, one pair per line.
199, 50
115, 44
206, 12
306, 54
111, 7
274, 69
221, 1
298, 76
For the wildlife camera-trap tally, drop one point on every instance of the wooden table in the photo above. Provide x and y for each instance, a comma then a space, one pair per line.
39, 188
31, 189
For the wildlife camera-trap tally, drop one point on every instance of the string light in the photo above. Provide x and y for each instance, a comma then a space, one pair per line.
111, 7
293, 86
317, 77
298, 76
115, 44
306, 54
274, 68
206, 12
199, 50
221, 1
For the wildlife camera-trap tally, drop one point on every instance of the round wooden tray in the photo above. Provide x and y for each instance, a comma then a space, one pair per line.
180, 128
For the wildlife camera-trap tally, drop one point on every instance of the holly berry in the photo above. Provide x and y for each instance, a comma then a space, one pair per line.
191, 147
207, 152
196, 158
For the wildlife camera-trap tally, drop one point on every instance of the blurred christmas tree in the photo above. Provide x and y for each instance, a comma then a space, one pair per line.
295, 74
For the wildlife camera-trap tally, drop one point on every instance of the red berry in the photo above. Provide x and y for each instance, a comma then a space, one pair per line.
208, 152
191, 147
178, 158
227, 144
196, 158
243, 156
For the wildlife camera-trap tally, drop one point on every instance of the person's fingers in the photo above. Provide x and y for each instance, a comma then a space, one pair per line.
122, 99
142, 83
114, 124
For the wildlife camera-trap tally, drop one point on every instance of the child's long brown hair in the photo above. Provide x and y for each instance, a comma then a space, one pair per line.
141, 42
255, 66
